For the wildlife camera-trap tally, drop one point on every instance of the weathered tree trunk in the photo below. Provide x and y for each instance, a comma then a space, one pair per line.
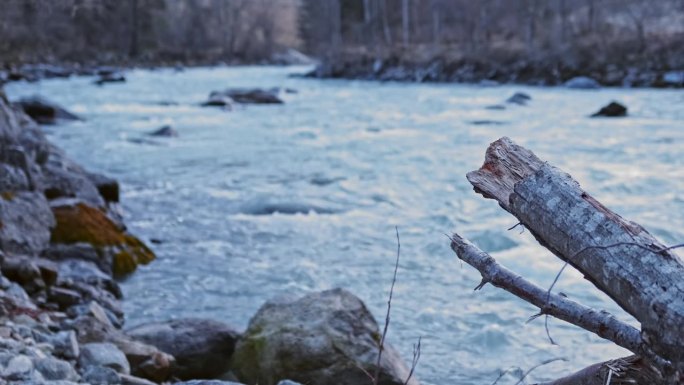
618, 256
628, 370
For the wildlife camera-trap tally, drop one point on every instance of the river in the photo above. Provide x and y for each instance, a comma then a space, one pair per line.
342, 163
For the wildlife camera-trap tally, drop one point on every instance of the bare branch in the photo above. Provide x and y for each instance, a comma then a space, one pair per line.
600, 323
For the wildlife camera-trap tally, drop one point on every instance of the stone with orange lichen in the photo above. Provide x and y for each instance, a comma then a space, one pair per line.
80, 223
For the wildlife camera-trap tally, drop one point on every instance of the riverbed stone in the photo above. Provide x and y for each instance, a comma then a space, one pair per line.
146, 361
77, 222
613, 109
322, 338
202, 348
55, 369
100, 375
103, 354
25, 222
165, 132
582, 83
18, 368
45, 111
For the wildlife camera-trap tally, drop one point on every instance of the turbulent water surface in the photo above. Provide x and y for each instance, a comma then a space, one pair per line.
305, 196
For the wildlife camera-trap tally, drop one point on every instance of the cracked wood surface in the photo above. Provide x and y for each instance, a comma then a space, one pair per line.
618, 256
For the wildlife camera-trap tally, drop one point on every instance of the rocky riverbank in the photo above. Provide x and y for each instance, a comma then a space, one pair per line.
63, 245
531, 72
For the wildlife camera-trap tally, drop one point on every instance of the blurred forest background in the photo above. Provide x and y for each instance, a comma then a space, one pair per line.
638, 32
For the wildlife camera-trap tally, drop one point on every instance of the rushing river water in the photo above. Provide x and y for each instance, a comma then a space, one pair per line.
341, 164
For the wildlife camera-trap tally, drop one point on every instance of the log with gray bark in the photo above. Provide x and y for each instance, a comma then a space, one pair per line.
619, 257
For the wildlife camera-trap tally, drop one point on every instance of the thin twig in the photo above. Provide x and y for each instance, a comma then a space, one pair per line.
414, 361
389, 308
538, 365
503, 373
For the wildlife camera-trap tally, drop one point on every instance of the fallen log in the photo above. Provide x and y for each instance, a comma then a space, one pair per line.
619, 257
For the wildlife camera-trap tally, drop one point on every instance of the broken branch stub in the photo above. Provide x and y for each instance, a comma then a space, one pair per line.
618, 256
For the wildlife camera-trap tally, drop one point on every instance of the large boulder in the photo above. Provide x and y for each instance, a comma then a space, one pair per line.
44, 111
582, 83
77, 222
202, 348
612, 110
25, 222
323, 338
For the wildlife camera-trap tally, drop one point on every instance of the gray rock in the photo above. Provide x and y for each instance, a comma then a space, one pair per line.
108, 187
202, 348
146, 361
323, 338
519, 98
26, 220
18, 368
65, 343
12, 178
103, 354
219, 100
44, 111
613, 109
110, 77
65, 179
54, 369
582, 83
64, 297
100, 375
249, 95
165, 132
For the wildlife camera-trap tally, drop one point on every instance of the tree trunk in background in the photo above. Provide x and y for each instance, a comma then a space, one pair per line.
591, 15
133, 48
405, 21
335, 12
436, 23
385, 22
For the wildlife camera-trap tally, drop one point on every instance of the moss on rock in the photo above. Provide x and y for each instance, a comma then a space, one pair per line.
81, 223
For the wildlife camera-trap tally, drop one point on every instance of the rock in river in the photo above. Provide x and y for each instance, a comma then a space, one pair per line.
44, 111
165, 132
323, 338
613, 109
583, 83
249, 95
202, 348
519, 98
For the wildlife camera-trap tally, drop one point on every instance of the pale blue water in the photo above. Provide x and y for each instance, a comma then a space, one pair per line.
356, 159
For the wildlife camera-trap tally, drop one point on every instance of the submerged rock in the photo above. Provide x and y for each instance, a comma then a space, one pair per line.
519, 98
165, 132
614, 109
202, 348
77, 223
219, 100
110, 77
582, 83
249, 95
323, 338
44, 111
